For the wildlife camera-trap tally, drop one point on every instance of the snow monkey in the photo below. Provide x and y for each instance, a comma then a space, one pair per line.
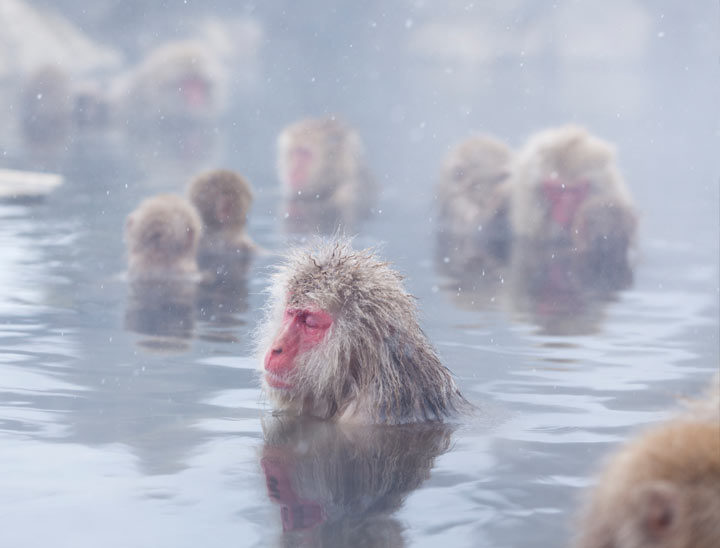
321, 165
342, 340
566, 188
179, 83
473, 202
341, 484
663, 488
162, 236
223, 199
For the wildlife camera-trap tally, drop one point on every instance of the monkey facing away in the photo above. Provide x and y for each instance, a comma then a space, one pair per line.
325, 180
223, 199
662, 489
342, 340
566, 189
162, 236
473, 237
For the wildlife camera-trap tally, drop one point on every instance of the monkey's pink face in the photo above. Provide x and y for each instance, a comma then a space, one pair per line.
301, 331
299, 167
297, 514
195, 91
564, 198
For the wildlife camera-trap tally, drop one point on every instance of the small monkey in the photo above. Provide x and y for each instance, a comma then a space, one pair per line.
566, 188
223, 199
474, 229
662, 489
342, 341
321, 165
162, 236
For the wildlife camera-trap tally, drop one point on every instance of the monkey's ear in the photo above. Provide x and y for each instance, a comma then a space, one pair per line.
658, 508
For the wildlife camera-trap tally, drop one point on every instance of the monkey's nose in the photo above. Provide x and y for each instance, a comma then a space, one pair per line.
277, 350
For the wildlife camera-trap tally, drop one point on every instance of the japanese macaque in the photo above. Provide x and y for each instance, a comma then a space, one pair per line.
566, 189
178, 84
474, 236
661, 490
339, 484
321, 165
223, 199
342, 341
473, 201
46, 106
162, 236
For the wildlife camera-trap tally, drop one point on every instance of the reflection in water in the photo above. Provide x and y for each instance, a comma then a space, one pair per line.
223, 294
94, 431
164, 311
562, 290
339, 485
177, 85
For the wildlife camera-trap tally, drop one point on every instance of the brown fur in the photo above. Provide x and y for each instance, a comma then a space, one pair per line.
473, 226
340, 485
471, 190
162, 236
151, 94
375, 364
570, 153
222, 190
662, 489
339, 179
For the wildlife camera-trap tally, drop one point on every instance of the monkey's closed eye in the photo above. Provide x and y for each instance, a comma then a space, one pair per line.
311, 321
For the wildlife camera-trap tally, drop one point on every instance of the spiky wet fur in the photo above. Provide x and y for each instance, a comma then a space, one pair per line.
375, 365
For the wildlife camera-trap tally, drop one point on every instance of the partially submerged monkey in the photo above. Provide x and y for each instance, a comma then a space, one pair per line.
178, 84
223, 199
325, 181
342, 341
162, 236
473, 195
566, 189
663, 488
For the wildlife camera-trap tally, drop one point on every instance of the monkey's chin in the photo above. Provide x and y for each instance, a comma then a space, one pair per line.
276, 381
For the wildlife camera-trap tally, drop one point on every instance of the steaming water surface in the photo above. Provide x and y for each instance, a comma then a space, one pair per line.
120, 438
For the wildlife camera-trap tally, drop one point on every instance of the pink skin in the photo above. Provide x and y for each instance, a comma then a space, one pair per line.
223, 211
195, 91
299, 163
564, 199
297, 514
301, 331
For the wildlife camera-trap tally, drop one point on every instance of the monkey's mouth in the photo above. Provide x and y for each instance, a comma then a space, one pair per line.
276, 381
